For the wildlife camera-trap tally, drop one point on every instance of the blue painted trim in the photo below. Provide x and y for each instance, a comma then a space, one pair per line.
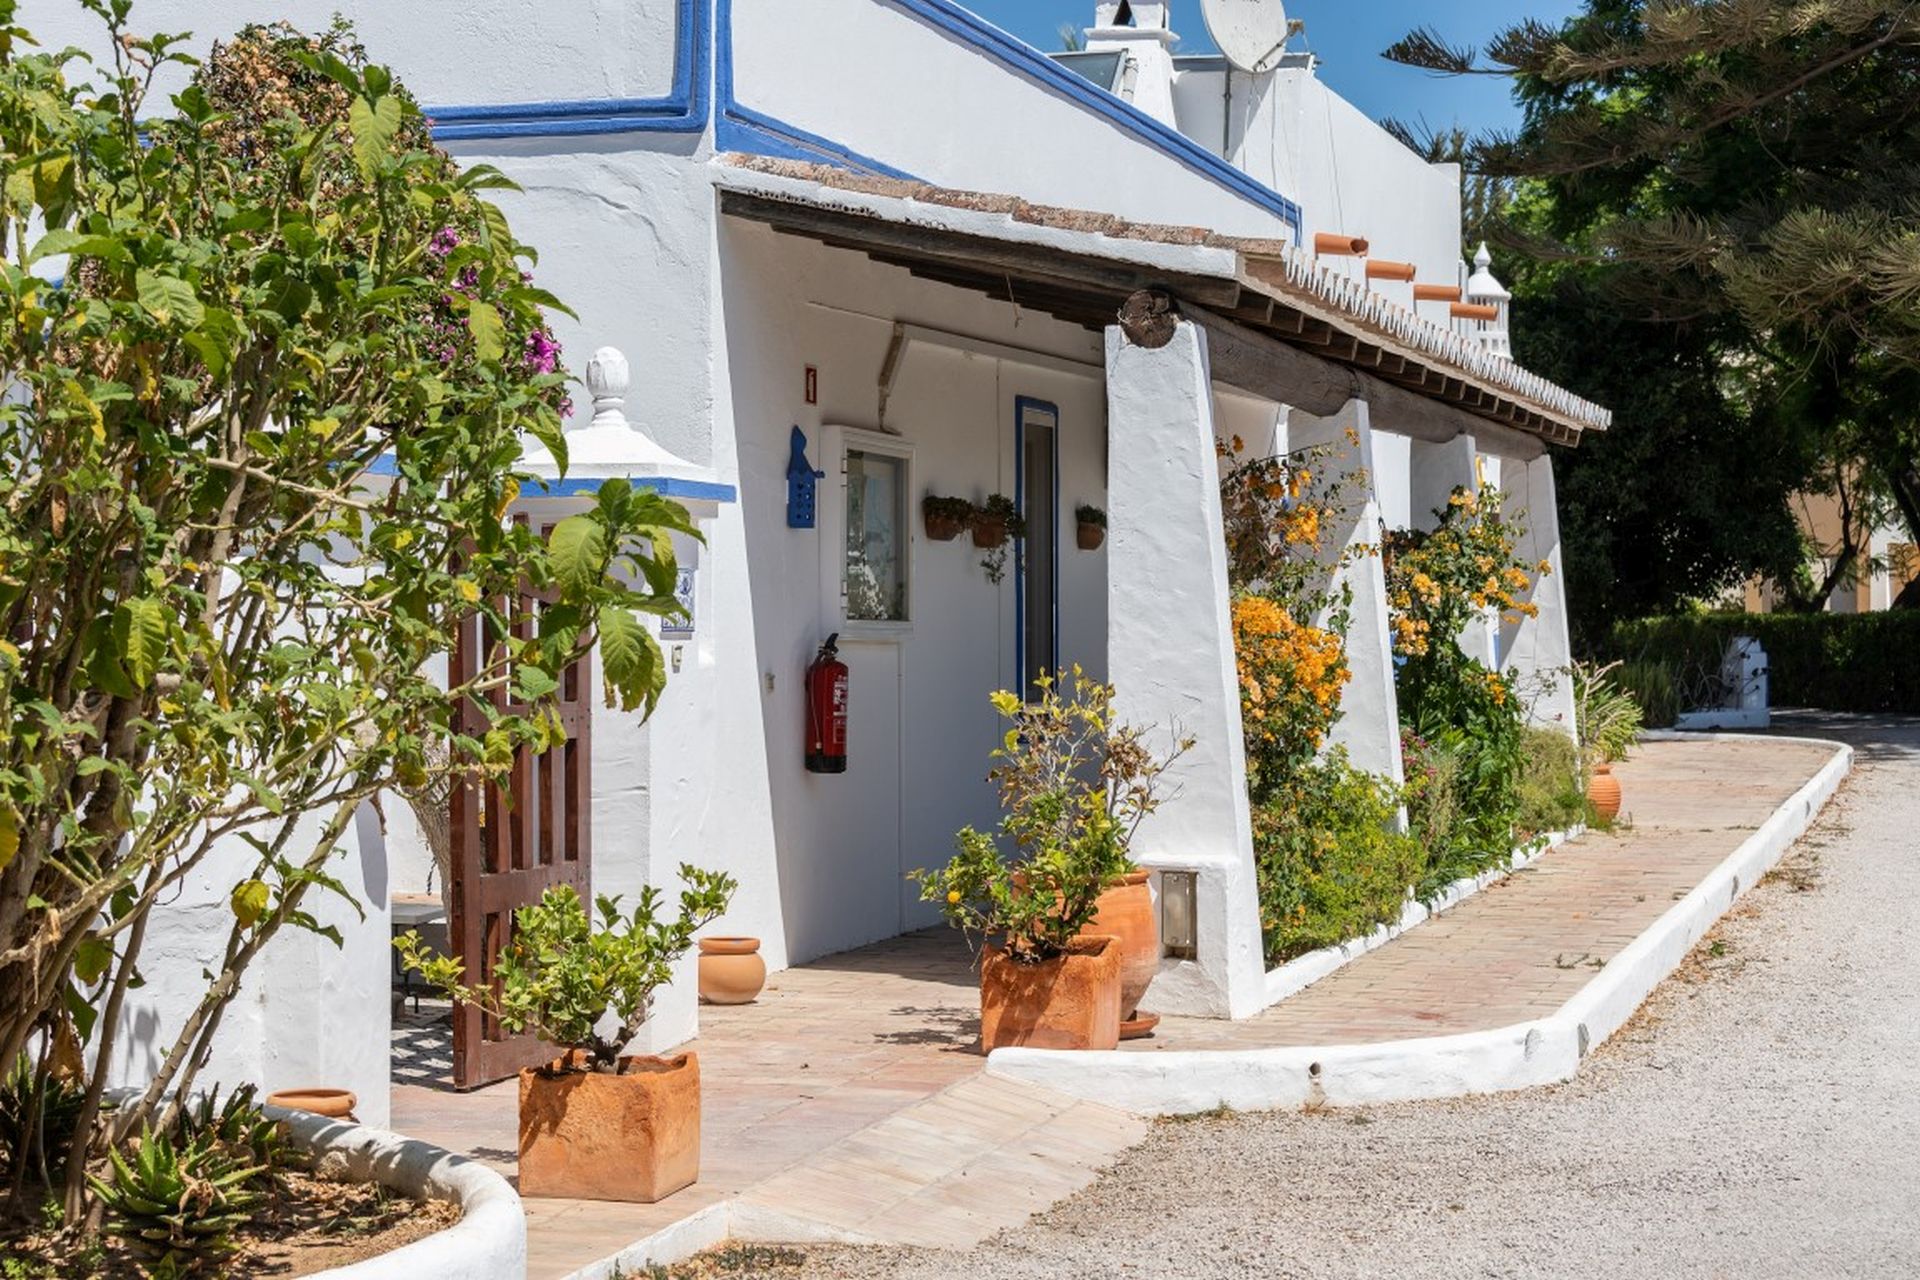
737, 127
683, 110
666, 486
1021, 404
950, 19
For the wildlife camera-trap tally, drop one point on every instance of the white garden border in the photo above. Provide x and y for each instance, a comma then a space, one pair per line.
488, 1243
1544, 1051
1301, 972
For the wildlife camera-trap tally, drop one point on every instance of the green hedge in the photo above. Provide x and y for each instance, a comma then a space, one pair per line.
1833, 661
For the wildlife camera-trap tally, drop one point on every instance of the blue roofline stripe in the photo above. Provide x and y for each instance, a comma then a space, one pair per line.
666, 486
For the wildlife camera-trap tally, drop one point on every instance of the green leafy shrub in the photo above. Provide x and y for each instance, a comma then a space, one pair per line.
38, 1113
1552, 790
237, 1123
1651, 685
1608, 714
560, 977
178, 1202
1432, 789
1331, 863
1074, 785
1833, 661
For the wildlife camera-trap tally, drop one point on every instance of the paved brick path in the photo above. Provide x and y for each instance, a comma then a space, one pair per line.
849, 1099
1521, 948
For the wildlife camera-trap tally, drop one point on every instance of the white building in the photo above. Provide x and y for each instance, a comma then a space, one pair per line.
907, 234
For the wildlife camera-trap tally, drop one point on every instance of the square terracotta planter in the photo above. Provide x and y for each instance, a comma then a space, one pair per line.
633, 1136
1069, 1002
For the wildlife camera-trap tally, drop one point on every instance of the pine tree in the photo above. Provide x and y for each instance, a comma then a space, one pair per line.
1752, 165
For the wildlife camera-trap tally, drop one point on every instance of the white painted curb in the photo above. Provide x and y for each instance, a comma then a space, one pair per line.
1179, 1082
1301, 972
488, 1243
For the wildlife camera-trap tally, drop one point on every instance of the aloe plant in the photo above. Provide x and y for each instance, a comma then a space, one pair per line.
179, 1202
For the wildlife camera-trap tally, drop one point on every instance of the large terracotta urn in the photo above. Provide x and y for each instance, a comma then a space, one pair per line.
1069, 1002
588, 1135
1603, 791
1126, 913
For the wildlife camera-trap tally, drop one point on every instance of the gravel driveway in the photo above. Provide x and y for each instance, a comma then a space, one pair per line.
1760, 1118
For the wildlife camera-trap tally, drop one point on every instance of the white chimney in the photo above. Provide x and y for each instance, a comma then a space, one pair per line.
1485, 291
1141, 34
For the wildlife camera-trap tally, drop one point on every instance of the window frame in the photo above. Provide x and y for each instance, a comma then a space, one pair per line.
839, 443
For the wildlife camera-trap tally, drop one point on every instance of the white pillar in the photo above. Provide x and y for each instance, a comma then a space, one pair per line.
1539, 648
1369, 724
1170, 657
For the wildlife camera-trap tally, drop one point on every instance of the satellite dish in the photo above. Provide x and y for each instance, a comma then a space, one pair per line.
1251, 33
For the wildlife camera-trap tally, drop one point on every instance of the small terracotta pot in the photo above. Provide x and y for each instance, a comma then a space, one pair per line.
335, 1104
942, 528
1068, 1002
633, 1136
1090, 536
988, 534
1603, 790
1125, 913
731, 970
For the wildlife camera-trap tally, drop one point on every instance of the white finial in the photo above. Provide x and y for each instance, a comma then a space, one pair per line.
1482, 260
607, 381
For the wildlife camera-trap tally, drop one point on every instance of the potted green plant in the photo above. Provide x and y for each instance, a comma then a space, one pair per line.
1074, 786
595, 1124
995, 522
945, 518
1092, 527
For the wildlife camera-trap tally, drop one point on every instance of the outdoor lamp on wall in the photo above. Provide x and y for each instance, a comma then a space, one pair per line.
1179, 913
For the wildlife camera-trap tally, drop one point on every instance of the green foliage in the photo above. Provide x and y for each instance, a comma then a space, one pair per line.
1331, 864
1074, 785
217, 619
1432, 790
178, 1202
238, 1124
1086, 513
1655, 694
559, 977
1607, 713
1552, 790
1834, 661
999, 517
39, 1110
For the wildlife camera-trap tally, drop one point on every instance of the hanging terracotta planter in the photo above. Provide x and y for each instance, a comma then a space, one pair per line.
1603, 792
946, 518
1126, 913
731, 970
1089, 536
633, 1137
335, 1104
1069, 1002
989, 532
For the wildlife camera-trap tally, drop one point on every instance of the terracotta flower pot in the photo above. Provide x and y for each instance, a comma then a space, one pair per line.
944, 528
1125, 913
335, 1104
633, 1136
731, 970
1604, 792
989, 533
1090, 536
1068, 1002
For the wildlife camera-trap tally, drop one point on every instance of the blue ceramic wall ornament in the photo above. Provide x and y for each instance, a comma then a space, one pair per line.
802, 480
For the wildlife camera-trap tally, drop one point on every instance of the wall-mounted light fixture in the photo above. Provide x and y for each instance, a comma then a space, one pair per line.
1179, 913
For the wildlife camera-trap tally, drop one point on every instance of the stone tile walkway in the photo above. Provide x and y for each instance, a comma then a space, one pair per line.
1521, 948
848, 1102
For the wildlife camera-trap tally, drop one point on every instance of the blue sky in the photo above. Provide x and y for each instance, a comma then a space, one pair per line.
1348, 35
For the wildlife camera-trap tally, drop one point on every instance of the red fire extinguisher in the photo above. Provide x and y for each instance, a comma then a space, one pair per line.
827, 710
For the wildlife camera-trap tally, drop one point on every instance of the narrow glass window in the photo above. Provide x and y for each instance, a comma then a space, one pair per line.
1039, 552
876, 571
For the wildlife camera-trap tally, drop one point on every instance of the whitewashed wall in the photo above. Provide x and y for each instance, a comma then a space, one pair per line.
873, 78
921, 728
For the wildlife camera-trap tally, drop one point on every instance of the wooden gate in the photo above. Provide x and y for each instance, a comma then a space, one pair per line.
512, 843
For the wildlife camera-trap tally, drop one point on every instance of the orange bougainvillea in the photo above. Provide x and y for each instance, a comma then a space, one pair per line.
1291, 675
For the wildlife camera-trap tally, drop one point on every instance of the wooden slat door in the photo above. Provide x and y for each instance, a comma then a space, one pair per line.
512, 843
